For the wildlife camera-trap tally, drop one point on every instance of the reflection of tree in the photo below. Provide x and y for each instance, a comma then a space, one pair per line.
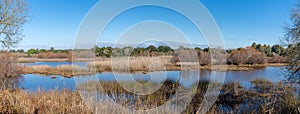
205, 74
190, 75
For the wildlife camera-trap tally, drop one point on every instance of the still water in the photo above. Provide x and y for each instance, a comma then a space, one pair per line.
33, 82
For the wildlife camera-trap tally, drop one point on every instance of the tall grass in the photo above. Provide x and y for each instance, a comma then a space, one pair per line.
52, 102
63, 70
124, 64
281, 99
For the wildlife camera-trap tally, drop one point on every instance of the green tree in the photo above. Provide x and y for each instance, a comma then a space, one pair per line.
277, 49
152, 48
164, 49
207, 49
259, 47
197, 49
20, 51
127, 51
254, 45
52, 49
42, 50
32, 51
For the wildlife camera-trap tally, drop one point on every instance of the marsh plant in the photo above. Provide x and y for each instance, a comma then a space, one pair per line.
9, 68
233, 98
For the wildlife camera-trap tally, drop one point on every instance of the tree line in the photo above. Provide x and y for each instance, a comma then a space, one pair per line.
254, 54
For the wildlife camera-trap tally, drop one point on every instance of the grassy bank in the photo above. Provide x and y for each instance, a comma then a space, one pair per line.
131, 64
32, 60
52, 102
150, 64
63, 70
267, 97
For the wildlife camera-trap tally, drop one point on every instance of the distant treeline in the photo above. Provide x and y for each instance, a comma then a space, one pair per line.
44, 53
254, 54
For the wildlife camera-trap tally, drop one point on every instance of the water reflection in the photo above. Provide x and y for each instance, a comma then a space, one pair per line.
10, 82
186, 78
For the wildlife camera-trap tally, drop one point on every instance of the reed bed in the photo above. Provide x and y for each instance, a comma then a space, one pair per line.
162, 63
232, 99
33, 59
52, 102
63, 70
124, 64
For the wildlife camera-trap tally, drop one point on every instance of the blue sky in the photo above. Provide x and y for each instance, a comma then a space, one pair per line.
55, 22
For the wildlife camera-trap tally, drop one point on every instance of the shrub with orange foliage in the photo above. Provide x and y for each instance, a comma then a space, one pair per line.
51, 55
258, 58
277, 59
239, 56
247, 56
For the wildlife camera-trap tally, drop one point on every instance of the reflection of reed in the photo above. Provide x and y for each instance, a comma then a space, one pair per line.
189, 75
10, 82
266, 97
195, 75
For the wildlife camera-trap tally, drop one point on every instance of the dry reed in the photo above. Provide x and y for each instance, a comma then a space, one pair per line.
63, 70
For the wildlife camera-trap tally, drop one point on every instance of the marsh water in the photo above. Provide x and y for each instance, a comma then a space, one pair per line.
32, 82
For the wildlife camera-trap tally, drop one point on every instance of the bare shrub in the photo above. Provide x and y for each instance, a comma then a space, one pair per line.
9, 68
204, 58
247, 56
258, 58
14, 14
8, 65
51, 55
83, 54
277, 59
239, 56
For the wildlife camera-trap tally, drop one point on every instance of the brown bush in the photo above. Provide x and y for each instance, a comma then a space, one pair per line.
247, 56
277, 59
187, 55
239, 56
83, 54
51, 55
9, 70
204, 58
258, 58
8, 65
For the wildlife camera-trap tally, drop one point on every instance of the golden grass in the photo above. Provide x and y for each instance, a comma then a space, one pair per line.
32, 60
147, 64
162, 63
63, 70
246, 101
124, 64
52, 102
35, 59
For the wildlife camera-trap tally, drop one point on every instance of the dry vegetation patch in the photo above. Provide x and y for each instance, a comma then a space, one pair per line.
63, 70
